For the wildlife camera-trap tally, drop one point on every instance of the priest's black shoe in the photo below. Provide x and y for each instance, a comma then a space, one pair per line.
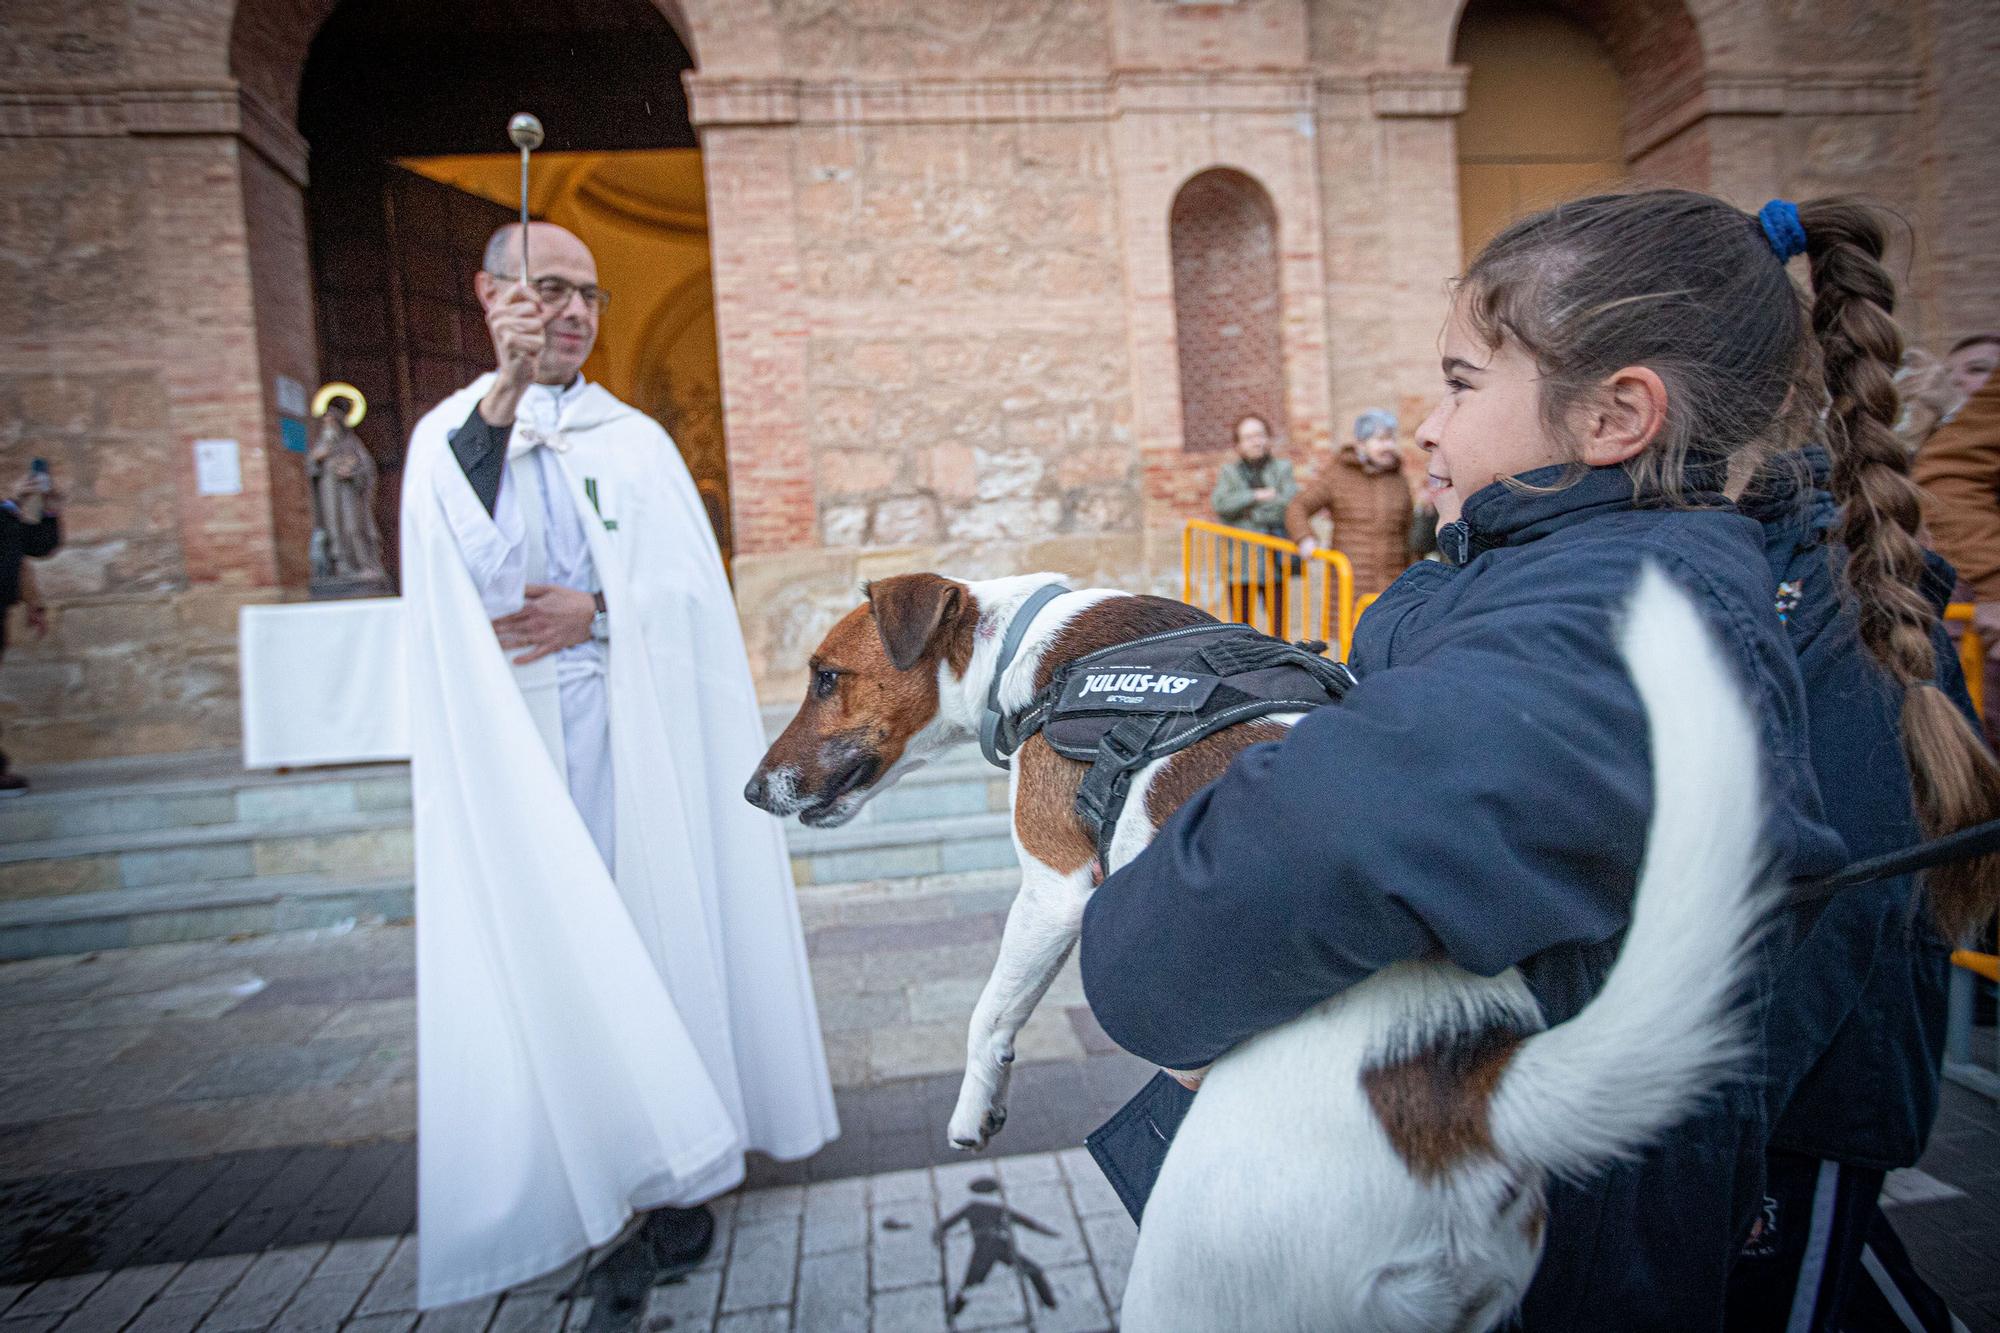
680, 1239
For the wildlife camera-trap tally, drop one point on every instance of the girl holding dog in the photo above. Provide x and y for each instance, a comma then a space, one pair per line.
1614, 368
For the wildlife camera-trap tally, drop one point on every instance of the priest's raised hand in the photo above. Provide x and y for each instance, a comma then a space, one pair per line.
518, 328
612, 996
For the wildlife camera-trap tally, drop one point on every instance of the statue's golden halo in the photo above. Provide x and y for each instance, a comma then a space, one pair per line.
357, 406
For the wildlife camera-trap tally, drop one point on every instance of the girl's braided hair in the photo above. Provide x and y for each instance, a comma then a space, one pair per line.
1955, 778
1689, 286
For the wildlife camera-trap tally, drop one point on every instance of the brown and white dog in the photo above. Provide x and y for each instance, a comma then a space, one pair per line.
1378, 1163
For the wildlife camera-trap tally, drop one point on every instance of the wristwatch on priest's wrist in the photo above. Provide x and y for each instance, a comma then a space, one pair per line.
600, 624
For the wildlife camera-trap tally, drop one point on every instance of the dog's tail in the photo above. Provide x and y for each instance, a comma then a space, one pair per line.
1666, 1029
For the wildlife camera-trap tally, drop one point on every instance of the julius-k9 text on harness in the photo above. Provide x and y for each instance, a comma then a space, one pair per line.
1122, 707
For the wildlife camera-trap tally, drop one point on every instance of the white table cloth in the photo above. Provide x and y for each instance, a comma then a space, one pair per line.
323, 683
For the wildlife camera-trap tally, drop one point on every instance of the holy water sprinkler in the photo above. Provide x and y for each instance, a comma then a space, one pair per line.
526, 132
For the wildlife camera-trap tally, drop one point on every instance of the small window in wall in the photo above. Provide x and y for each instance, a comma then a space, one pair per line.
1224, 236
1544, 115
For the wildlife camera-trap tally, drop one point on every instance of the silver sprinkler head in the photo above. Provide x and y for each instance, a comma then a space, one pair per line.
525, 130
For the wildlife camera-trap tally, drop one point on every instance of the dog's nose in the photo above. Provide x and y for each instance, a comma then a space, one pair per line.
757, 791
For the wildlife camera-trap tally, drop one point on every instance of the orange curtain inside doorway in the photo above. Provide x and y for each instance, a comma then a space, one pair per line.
644, 214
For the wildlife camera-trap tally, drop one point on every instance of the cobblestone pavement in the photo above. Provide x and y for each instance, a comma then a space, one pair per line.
1031, 1241
171, 1051
1036, 1240
216, 1136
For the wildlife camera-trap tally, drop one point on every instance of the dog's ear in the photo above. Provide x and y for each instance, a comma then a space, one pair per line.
911, 610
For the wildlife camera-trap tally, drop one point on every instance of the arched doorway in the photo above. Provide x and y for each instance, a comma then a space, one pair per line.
1544, 114
1227, 306
403, 109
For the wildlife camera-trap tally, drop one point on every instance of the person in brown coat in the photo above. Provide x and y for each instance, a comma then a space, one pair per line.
1959, 471
1363, 491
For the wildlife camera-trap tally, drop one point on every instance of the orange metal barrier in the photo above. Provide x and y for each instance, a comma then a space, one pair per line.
1253, 579
1238, 575
1971, 654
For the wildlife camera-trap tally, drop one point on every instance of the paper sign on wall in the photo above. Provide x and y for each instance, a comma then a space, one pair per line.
291, 396
218, 467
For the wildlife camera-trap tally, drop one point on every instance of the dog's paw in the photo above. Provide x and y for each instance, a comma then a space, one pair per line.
970, 1134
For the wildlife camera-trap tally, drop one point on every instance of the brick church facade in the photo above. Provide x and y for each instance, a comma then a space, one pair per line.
988, 279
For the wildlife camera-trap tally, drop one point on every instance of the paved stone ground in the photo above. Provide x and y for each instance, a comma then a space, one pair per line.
216, 1136
895, 1251
173, 1051
898, 1251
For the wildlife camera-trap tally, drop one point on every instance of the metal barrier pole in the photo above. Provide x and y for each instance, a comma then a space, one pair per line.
1251, 583
1187, 566
1959, 1064
1971, 654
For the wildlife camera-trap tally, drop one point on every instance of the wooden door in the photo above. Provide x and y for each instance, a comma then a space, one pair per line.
394, 254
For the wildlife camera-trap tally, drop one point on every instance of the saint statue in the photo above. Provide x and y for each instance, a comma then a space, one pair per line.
347, 546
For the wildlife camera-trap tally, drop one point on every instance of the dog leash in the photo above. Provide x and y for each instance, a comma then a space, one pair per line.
1017, 630
1976, 840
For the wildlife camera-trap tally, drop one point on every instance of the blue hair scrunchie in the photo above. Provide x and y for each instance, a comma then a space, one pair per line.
1783, 229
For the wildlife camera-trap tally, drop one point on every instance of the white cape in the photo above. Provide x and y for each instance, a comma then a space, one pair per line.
586, 1048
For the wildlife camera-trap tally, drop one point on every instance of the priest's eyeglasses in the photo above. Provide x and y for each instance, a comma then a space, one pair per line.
554, 293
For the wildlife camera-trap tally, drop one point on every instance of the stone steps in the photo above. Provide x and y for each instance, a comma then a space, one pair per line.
141, 851
179, 799
196, 910
124, 796
944, 845
212, 909
370, 843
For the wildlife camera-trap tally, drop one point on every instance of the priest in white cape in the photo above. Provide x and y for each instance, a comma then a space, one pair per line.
613, 1001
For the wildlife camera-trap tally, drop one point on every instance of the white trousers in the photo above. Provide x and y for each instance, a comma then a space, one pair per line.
586, 721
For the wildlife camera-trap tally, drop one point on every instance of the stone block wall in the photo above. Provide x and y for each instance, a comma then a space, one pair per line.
966, 377
942, 267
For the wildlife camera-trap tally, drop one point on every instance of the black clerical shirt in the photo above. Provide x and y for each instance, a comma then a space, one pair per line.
481, 450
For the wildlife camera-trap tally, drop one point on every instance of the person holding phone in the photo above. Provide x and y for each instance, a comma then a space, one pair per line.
30, 527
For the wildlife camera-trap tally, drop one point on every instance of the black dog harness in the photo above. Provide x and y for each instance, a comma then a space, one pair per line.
1122, 707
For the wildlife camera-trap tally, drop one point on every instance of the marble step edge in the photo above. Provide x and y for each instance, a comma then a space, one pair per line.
198, 894
67, 784
155, 833
187, 895
862, 835
800, 841
199, 835
909, 888
961, 764
213, 909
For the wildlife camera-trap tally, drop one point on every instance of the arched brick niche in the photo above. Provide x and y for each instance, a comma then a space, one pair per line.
1224, 238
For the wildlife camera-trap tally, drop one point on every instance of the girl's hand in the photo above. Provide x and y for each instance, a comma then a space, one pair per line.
1190, 1079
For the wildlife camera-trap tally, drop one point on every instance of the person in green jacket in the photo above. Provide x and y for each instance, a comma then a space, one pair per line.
1251, 492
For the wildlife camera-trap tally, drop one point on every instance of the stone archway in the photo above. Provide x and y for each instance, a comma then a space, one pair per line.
1694, 73
269, 40
1543, 118
271, 46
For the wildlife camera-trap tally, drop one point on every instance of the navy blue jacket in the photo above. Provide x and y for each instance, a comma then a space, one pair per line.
1856, 1033
1483, 795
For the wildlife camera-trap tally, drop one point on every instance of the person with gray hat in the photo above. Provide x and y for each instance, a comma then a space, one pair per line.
1362, 490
